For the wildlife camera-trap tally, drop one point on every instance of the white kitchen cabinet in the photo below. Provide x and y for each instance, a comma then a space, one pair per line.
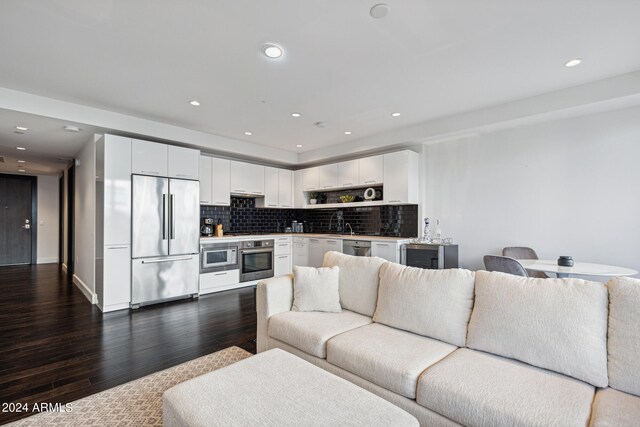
328, 176
332, 245
221, 182
300, 251
183, 162
285, 188
349, 173
216, 281
271, 188
310, 179
299, 198
149, 158
371, 170
282, 265
401, 177
116, 281
116, 204
386, 250
247, 178
282, 246
206, 180
316, 252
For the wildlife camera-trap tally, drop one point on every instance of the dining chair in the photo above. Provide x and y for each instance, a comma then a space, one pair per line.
505, 265
522, 252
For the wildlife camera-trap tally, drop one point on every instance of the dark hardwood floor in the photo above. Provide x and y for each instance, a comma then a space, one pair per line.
56, 347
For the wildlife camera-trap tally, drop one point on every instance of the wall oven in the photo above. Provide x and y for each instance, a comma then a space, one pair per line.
256, 260
218, 257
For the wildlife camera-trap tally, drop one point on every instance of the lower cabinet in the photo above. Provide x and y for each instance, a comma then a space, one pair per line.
386, 250
282, 265
116, 287
301, 251
319, 247
212, 282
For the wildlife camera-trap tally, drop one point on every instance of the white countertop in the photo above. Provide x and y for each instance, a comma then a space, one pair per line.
228, 238
579, 268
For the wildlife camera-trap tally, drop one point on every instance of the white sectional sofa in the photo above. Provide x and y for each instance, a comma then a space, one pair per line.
455, 347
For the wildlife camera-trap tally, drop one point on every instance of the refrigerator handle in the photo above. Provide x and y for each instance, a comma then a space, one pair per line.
164, 217
173, 219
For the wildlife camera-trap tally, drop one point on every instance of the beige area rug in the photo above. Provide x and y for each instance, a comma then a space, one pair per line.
136, 403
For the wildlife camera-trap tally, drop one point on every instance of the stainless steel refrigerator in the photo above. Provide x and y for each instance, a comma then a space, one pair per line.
165, 239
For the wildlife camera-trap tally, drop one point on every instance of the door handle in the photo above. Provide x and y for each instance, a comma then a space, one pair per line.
164, 217
172, 232
158, 261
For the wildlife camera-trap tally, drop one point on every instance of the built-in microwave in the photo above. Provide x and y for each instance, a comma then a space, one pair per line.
218, 257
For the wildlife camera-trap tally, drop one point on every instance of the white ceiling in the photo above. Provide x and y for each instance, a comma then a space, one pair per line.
427, 59
49, 148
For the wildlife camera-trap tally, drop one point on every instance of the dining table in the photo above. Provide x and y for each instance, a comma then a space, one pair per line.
578, 269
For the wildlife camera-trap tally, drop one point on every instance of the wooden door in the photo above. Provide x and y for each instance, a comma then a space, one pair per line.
16, 225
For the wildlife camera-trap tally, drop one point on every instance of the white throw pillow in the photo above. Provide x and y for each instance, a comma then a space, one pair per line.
359, 279
316, 289
433, 303
624, 334
555, 324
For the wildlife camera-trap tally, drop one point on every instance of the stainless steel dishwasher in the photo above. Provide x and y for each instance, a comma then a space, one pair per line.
356, 247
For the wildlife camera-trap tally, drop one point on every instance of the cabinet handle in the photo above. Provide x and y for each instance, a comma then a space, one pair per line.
272, 205
394, 201
282, 256
221, 203
283, 244
240, 191
183, 174
220, 274
347, 183
118, 247
286, 206
371, 181
151, 172
205, 201
331, 241
382, 244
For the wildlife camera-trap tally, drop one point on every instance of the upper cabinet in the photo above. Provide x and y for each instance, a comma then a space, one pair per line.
117, 190
221, 182
299, 198
371, 170
285, 188
310, 179
183, 162
401, 177
271, 190
153, 158
149, 158
328, 176
349, 173
247, 179
206, 180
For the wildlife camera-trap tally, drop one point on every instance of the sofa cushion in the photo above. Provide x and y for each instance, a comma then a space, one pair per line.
433, 303
613, 408
359, 279
388, 357
557, 324
316, 289
480, 389
624, 334
310, 331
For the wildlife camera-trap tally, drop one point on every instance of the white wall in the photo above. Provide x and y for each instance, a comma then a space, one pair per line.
567, 187
48, 219
84, 210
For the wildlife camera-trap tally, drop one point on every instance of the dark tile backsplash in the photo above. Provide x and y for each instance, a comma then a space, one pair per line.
243, 217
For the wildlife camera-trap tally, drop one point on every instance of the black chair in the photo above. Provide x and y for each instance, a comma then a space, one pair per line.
505, 265
522, 252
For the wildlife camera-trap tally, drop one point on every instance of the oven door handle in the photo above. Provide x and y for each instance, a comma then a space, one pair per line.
253, 251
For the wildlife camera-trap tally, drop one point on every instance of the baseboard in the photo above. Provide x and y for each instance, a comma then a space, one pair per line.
93, 299
64, 267
52, 260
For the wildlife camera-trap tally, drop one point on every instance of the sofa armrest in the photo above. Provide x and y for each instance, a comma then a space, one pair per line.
273, 296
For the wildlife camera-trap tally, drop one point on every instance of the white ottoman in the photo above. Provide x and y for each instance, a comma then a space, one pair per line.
276, 388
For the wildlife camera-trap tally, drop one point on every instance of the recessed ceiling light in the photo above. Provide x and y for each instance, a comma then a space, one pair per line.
395, 114
21, 161
296, 114
195, 103
272, 51
21, 170
20, 148
299, 145
573, 62
379, 11
72, 129
347, 132
21, 128
248, 133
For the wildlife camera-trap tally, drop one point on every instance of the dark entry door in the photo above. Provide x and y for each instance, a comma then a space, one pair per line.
15, 220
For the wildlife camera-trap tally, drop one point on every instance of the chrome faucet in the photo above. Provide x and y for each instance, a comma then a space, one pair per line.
349, 225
